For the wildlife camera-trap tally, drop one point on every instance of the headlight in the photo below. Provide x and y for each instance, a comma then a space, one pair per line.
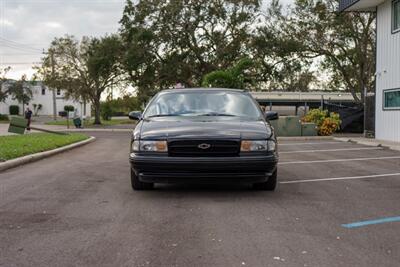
150, 146
259, 145
271, 145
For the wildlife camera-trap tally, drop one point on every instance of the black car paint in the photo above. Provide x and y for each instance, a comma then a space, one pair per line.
163, 128
159, 167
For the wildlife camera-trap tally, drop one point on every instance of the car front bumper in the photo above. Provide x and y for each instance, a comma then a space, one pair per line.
164, 169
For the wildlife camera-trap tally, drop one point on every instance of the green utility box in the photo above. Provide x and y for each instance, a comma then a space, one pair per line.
18, 125
279, 126
309, 129
291, 126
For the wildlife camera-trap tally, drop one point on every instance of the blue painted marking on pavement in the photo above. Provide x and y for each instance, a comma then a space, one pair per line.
370, 222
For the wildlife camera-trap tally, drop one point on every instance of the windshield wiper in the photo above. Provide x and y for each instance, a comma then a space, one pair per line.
162, 115
217, 114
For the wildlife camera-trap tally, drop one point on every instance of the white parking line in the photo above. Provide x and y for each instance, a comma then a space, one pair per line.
336, 160
313, 143
331, 150
341, 178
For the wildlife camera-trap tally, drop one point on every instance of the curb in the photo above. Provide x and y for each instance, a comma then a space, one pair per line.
373, 142
304, 138
41, 155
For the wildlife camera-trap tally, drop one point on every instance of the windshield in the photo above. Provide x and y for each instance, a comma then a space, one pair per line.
205, 103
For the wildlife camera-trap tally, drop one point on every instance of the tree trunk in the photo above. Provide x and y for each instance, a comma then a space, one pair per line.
97, 112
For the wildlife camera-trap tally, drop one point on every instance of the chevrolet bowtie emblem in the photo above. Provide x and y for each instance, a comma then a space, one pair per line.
204, 146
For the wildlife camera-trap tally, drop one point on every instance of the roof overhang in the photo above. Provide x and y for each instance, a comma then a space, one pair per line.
359, 5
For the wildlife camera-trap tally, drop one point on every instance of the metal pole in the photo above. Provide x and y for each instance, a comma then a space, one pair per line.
322, 102
53, 89
365, 112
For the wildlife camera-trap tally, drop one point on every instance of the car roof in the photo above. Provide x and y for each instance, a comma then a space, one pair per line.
202, 89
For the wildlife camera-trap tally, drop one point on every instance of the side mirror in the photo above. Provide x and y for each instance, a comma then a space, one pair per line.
271, 115
135, 115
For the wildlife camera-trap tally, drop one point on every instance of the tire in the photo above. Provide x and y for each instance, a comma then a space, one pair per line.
138, 185
269, 185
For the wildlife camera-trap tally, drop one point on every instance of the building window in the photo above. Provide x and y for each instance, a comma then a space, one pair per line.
43, 91
396, 16
58, 92
391, 99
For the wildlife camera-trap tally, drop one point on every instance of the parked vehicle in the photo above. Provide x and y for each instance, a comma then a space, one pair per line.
203, 135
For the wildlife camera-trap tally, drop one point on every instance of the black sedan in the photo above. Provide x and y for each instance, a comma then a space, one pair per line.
203, 135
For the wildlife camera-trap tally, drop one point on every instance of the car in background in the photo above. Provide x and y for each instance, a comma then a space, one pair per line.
203, 135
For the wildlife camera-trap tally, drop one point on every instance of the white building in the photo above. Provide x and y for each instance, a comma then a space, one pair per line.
387, 113
44, 96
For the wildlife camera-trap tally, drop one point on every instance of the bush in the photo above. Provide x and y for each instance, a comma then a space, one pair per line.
235, 77
316, 116
69, 108
3, 117
328, 127
119, 114
327, 123
14, 110
106, 111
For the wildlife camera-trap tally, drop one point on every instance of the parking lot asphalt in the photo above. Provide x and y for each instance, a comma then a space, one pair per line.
78, 209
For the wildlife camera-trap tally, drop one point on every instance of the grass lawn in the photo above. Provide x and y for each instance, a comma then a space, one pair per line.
14, 146
86, 124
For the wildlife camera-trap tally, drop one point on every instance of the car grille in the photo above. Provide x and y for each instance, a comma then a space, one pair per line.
191, 148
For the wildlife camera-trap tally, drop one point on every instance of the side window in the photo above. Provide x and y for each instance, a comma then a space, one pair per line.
396, 16
391, 99
58, 92
43, 90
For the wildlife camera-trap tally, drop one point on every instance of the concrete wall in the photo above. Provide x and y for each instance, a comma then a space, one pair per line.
46, 100
388, 74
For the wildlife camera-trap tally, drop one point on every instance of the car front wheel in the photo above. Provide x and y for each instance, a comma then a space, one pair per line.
138, 185
269, 185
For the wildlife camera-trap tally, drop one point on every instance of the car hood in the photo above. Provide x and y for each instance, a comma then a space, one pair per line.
194, 128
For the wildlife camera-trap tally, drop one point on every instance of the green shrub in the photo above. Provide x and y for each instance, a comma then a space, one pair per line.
327, 123
316, 116
69, 108
3, 117
328, 127
237, 76
14, 110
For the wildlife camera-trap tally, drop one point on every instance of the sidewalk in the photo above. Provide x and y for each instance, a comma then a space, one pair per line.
57, 128
371, 142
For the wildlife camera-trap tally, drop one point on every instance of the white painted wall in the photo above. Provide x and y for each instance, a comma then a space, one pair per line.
388, 74
47, 103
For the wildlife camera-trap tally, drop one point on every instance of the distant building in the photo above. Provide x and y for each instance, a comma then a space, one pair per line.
44, 96
387, 108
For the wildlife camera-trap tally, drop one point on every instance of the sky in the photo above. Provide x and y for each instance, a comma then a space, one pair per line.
28, 26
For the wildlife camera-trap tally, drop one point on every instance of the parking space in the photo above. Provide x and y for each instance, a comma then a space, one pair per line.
332, 208
351, 189
324, 160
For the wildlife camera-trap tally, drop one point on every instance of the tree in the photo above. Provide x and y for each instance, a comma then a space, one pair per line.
343, 44
180, 41
275, 54
3, 89
21, 90
85, 69
236, 77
